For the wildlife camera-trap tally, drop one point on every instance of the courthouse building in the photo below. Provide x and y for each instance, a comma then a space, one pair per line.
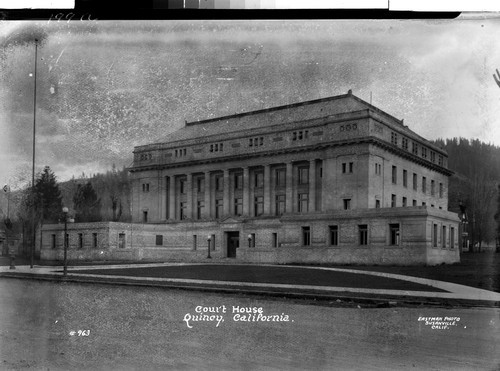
330, 180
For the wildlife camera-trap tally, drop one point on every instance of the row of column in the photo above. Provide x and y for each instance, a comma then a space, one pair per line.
190, 207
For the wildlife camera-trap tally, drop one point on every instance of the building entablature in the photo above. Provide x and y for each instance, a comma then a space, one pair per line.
304, 152
300, 136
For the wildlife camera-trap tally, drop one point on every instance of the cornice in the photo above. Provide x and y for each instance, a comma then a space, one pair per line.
309, 148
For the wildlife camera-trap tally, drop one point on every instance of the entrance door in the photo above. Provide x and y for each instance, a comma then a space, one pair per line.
233, 242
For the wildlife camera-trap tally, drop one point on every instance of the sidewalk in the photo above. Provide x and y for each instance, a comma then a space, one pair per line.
454, 293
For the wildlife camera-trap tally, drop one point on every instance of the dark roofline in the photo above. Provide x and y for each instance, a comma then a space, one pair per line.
287, 106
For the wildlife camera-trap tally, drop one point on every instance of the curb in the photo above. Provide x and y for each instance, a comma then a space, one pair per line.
341, 298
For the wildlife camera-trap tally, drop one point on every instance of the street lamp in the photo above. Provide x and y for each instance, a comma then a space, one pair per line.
65, 212
249, 240
209, 239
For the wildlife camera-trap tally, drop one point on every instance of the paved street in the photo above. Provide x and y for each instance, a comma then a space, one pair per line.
143, 328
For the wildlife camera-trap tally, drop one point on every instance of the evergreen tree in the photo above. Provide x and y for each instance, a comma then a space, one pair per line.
86, 204
47, 197
497, 219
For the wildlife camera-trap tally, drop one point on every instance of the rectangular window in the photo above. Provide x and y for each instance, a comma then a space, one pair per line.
435, 235
424, 203
440, 160
238, 181
275, 240
344, 168
259, 205
440, 190
53, 241
393, 200
404, 144
219, 208
182, 186
334, 235
414, 148
405, 178
347, 203
80, 240
200, 206
424, 152
394, 138
377, 204
424, 184
405, 202
443, 238
200, 185
303, 175
452, 237
94, 240
195, 242
433, 187
303, 205
415, 185
259, 179
159, 240
121, 240
394, 234
351, 166
238, 206
219, 182
183, 208
363, 234
394, 175
280, 204
144, 216
306, 236
252, 240
280, 178
414, 203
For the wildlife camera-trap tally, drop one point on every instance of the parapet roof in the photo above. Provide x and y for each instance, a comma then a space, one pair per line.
272, 116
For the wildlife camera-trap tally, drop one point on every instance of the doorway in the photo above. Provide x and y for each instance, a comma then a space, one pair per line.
233, 242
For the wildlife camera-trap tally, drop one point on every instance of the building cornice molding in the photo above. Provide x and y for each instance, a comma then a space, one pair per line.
307, 148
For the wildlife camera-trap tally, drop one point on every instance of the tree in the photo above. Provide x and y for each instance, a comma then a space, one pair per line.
497, 219
39, 204
47, 196
86, 204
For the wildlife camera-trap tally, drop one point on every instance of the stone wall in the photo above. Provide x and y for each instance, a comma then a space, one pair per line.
274, 240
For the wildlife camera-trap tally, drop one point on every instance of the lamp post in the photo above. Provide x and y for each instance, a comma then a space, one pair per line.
249, 240
209, 239
65, 212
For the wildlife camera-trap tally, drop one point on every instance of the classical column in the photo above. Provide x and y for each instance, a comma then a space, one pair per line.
171, 198
207, 195
164, 198
267, 189
246, 191
226, 201
289, 187
189, 196
312, 185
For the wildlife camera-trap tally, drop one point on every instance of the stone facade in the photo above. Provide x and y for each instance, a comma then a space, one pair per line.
334, 180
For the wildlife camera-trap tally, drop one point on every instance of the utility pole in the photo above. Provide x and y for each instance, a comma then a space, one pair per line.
32, 258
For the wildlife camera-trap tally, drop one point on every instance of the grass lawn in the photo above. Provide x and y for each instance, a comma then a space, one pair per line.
266, 274
481, 270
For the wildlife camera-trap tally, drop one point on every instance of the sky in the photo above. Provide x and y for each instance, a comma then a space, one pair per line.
103, 87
